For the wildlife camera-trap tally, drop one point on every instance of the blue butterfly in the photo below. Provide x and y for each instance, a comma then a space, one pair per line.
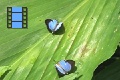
63, 67
53, 25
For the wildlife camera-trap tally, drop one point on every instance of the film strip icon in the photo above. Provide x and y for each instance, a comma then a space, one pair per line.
17, 17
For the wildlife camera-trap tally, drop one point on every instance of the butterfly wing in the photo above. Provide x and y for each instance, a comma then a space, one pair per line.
58, 26
52, 24
65, 65
60, 69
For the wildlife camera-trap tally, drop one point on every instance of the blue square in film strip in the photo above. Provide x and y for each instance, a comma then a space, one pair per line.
17, 17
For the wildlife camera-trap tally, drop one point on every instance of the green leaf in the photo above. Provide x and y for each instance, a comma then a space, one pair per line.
92, 30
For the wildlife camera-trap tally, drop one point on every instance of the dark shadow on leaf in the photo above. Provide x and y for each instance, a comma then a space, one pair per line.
106, 63
78, 78
3, 76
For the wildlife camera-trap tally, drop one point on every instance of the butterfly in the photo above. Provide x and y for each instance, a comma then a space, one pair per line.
53, 25
63, 67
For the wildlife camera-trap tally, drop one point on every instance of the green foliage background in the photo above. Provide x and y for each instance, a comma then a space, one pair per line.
92, 33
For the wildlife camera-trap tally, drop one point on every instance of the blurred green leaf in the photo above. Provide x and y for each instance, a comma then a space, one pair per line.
92, 33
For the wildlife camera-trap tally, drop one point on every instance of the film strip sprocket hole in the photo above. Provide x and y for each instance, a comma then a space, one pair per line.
17, 17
